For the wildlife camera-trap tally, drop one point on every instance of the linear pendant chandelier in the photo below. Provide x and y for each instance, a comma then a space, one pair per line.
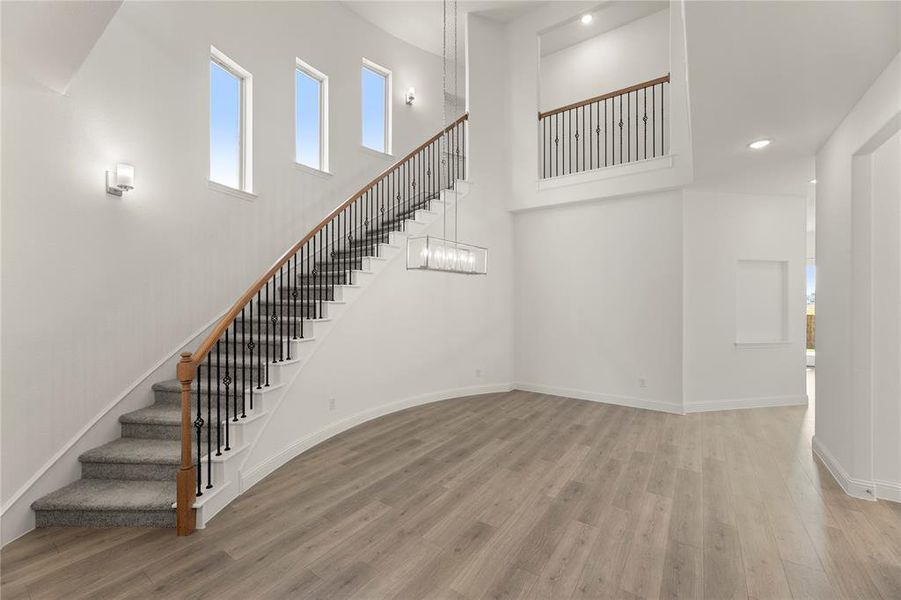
431, 253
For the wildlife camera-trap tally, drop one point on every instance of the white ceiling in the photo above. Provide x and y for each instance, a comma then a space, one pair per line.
419, 23
50, 40
606, 17
785, 70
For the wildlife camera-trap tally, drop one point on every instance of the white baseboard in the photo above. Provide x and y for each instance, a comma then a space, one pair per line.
630, 401
253, 475
888, 490
739, 403
858, 488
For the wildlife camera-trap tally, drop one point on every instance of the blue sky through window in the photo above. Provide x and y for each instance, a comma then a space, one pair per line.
374, 110
307, 109
225, 126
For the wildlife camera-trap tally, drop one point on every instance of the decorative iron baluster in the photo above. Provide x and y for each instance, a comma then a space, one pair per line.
259, 347
294, 295
645, 121
266, 341
198, 429
209, 425
226, 381
662, 125
243, 365
218, 400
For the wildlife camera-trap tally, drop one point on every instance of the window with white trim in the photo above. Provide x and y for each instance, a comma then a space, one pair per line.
230, 123
376, 107
310, 117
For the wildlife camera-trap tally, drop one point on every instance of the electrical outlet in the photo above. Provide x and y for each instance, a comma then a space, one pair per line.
331, 404
642, 382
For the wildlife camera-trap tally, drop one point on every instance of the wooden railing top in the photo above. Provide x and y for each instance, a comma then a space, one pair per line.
607, 96
197, 357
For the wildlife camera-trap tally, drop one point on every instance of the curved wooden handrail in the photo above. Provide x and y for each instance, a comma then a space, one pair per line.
631, 88
197, 357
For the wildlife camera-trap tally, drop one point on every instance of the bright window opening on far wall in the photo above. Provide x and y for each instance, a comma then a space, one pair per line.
376, 107
310, 117
811, 306
230, 123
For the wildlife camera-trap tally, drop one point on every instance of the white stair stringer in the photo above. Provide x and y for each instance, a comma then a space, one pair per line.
227, 479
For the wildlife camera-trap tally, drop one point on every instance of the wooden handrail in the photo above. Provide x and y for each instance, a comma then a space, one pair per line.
602, 97
235, 310
188, 366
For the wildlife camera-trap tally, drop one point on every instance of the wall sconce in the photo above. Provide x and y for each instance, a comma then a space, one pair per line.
122, 180
410, 96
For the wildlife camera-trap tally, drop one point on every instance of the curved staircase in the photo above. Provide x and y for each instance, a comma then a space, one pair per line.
177, 460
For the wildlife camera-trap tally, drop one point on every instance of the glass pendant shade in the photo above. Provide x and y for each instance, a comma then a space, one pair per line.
436, 254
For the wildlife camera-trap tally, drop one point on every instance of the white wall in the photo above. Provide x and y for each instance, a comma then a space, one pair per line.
635, 52
98, 289
720, 230
847, 318
599, 300
886, 269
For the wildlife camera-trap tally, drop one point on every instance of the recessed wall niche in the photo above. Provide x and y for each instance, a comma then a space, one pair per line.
761, 302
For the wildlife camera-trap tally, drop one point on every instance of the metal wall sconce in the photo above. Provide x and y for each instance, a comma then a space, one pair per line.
410, 96
122, 180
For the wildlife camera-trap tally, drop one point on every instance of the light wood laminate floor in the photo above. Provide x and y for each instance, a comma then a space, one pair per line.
516, 495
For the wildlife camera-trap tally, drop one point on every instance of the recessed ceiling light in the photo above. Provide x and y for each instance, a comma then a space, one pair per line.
586, 19
813, 181
759, 144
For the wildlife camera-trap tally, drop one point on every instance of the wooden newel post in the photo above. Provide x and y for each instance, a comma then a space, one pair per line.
187, 475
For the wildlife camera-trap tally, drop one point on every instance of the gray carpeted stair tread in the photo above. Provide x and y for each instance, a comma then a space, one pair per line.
135, 451
110, 495
155, 414
171, 385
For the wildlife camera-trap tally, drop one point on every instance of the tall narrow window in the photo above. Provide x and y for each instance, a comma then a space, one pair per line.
230, 123
376, 102
310, 117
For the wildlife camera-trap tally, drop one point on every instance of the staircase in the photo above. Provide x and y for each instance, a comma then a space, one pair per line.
176, 463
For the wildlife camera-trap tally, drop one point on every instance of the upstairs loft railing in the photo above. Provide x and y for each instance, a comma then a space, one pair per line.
219, 378
612, 129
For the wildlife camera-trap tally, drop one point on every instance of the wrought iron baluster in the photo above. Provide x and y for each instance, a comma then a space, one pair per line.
218, 399
582, 109
234, 371
294, 295
620, 130
320, 278
250, 345
259, 347
557, 146
645, 121
209, 424
198, 430
628, 127
243, 365
226, 381
268, 337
